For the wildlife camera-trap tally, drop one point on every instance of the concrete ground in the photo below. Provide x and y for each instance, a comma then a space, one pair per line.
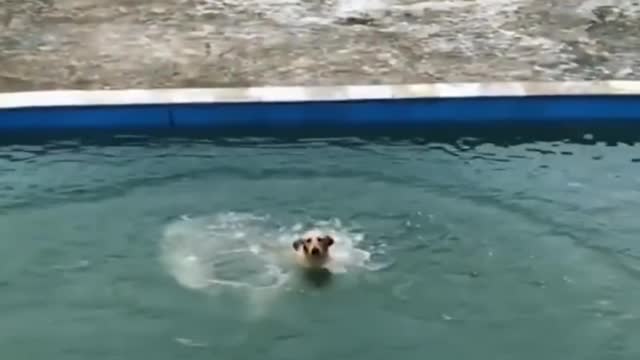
91, 44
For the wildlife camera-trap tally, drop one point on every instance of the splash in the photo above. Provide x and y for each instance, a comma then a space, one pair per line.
249, 254
218, 250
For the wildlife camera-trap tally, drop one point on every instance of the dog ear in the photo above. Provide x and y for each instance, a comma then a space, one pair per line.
328, 240
296, 244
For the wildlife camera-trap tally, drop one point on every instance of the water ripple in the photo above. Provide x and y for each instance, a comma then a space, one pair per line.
482, 238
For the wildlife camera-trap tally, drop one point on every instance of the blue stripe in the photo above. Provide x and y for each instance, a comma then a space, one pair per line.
348, 115
103, 118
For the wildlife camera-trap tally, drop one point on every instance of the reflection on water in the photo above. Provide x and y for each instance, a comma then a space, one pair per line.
186, 43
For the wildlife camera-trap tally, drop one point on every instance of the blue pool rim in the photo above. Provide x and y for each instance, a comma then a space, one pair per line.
353, 109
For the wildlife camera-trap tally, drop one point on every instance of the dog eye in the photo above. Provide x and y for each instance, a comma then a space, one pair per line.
308, 241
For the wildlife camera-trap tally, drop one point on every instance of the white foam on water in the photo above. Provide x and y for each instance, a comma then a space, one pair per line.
203, 251
250, 254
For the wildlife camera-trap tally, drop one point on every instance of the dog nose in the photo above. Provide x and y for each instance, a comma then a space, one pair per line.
315, 251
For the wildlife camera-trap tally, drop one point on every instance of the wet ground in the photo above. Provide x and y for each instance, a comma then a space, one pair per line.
46, 44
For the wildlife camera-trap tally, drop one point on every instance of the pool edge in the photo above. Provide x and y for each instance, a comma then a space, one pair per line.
353, 107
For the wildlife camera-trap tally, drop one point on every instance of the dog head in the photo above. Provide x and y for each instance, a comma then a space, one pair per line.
314, 245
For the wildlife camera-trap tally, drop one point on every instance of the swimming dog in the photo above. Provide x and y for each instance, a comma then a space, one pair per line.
312, 253
312, 250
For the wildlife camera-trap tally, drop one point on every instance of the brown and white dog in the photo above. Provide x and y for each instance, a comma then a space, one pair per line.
312, 250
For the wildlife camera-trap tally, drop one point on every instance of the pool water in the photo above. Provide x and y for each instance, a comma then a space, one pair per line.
459, 250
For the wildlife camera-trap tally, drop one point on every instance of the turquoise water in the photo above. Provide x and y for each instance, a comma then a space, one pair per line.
476, 251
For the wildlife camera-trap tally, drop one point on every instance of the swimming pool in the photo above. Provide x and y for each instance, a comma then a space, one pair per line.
477, 249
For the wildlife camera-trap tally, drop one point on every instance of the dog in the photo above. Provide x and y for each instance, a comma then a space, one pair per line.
312, 249
312, 253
